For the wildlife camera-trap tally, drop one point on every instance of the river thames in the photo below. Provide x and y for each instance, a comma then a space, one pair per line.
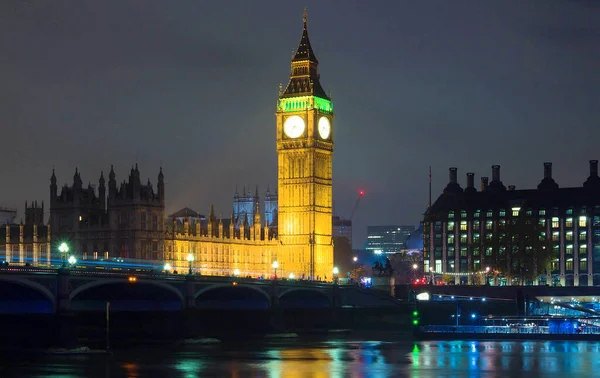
341, 357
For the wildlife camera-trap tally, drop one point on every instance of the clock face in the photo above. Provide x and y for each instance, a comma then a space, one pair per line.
293, 126
324, 127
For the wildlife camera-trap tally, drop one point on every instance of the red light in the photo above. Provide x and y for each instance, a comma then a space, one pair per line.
362, 192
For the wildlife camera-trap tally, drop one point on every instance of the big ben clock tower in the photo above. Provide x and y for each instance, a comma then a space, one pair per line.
304, 152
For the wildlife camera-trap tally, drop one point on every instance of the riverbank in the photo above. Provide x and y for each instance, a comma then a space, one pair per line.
505, 336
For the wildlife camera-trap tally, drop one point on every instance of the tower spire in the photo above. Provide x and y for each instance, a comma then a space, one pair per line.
304, 77
304, 17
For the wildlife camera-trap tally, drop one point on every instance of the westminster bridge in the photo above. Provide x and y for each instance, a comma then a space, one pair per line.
40, 290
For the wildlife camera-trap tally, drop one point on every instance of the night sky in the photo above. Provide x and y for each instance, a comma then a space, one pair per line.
192, 86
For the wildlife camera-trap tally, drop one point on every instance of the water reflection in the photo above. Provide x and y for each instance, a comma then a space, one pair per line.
327, 359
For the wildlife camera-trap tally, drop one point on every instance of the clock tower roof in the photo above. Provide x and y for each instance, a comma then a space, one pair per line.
304, 76
305, 51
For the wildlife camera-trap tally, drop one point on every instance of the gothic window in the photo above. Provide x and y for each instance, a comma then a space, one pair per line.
143, 221
154, 222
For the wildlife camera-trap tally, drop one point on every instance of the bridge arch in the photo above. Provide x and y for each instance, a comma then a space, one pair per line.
33, 285
305, 290
102, 282
230, 286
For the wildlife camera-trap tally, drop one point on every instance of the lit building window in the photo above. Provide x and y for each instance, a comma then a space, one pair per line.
463, 214
476, 251
489, 213
488, 251
475, 238
555, 222
569, 249
463, 252
477, 213
556, 235
583, 249
582, 235
569, 235
463, 238
502, 212
583, 264
451, 215
555, 265
583, 221
463, 226
569, 264
569, 222
515, 211
489, 225
569, 211
450, 226
542, 212
542, 222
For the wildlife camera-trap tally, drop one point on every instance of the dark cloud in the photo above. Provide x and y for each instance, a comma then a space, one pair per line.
192, 86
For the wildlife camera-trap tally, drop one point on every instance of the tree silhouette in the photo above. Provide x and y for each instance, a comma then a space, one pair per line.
519, 248
342, 255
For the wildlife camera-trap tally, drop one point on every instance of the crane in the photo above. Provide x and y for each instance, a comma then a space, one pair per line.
360, 194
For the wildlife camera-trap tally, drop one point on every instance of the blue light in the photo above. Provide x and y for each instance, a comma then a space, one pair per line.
483, 299
471, 298
473, 316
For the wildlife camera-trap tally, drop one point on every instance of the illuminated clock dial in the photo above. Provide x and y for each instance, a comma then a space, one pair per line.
293, 126
324, 127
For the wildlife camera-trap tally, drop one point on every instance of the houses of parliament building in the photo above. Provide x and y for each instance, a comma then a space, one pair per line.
127, 219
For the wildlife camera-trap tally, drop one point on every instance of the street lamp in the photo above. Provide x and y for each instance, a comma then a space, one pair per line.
487, 271
190, 259
167, 268
291, 276
72, 260
415, 267
275, 265
336, 271
432, 276
236, 272
63, 249
355, 259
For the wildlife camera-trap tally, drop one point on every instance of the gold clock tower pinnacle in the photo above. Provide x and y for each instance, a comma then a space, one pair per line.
304, 158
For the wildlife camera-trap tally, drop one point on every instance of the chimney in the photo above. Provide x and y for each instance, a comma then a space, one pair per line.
495, 173
548, 170
593, 168
453, 178
484, 184
470, 180
511, 187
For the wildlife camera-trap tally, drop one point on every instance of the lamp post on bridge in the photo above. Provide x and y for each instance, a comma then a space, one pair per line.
63, 248
275, 265
336, 271
190, 259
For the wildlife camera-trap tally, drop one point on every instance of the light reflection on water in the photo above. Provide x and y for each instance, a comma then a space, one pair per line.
327, 359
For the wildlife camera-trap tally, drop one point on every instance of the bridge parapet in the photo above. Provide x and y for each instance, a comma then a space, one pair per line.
64, 287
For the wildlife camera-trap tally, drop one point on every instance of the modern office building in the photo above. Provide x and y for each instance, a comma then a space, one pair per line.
459, 222
388, 239
342, 228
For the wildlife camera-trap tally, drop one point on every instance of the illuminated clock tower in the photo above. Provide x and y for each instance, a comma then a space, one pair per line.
304, 156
